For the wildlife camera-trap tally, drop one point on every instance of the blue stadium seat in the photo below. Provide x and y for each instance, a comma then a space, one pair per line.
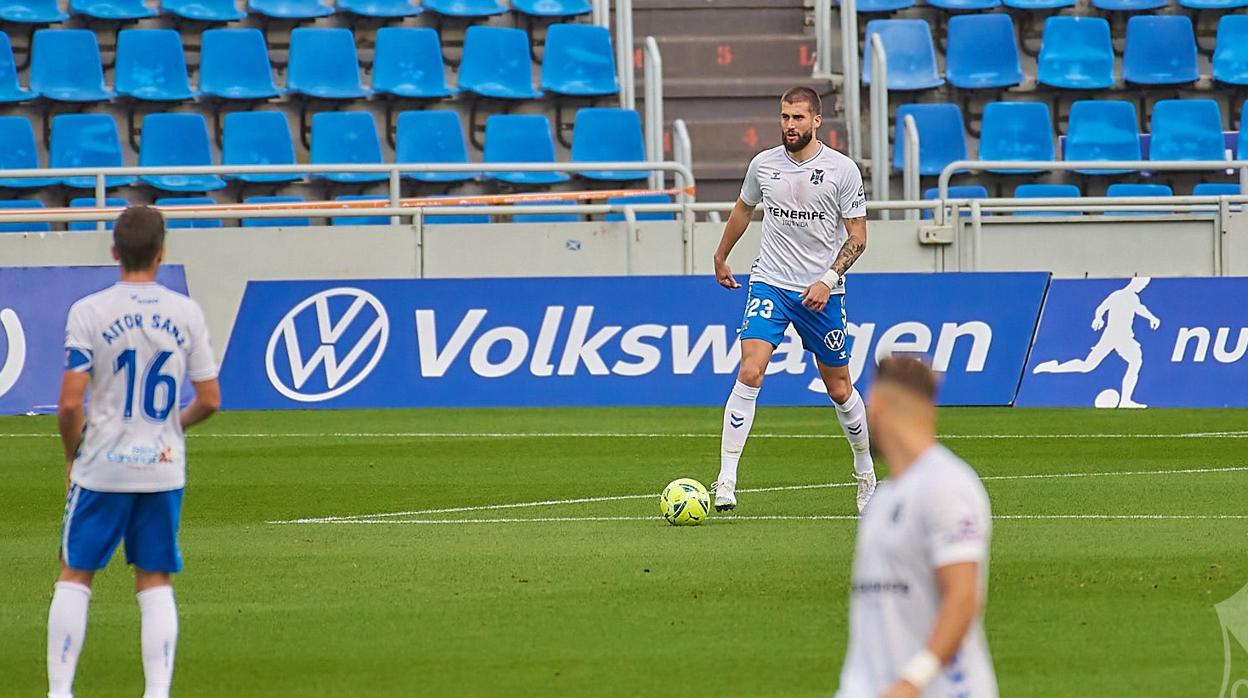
457, 218
520, 138
871, 6
151, 66
552, 8
289, 9
1126, 189
1016, 131
1230, 52
258, 138
177, 140
579, 61
1215, 189
274, 222
603, 134
360, 220
1187, 129
1046, 191
982, 52
965, 191
911, 54
546, 217
1128, 5
31, 12
1241, 144
465, 8
1213, 4
234, 64
19, 152
965, 5
1102, 130
942, 136
204, 10
1076, 53
431, 136
23, 227
1038, 5
86, 140
380, 8
89, 202
1160, 50
112, 9
323, 64
65, 66
346, 138
643, 199
10, 89
189, 222
496, 63
408, 63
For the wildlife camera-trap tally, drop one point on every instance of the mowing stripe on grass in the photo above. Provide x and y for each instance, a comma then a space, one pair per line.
816, 517
637, 435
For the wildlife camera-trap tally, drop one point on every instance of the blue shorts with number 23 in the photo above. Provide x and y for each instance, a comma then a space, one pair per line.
769, 311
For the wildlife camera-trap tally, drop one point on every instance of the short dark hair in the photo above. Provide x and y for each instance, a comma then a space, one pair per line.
909, 373
139, 235
803, 94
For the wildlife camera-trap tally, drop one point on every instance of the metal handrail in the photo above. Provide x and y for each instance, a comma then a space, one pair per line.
624, 53
653, 76
853, 76
910, 171
881, 163
1068, 165
682, 152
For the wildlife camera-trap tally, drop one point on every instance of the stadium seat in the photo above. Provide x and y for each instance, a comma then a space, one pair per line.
982, 52
552, 8
1076, 53
360, 220
89, 202
112, 9
911, 54
1213, 4
456, 218
380, 8
1215, 189
176, 140
1126, 189
323, 64
966, 191
346, 138
289, 9
1016, 131
23, 227
1102, 130
1230, 52
496, 63
579, 61
204, 10
258, 138
1187, 129
942, 137
965, 5
65, 66
19, 152
151, 66
431, 136
1046, 191
643, 199
274, 222
603, 134
408, 63
10, 89
86, 140
31, 12
1241, 144
465, 8
546, 217
1129, 5
520, 138
1038, 5
234, 64
1160, 50
189, 222
871, 6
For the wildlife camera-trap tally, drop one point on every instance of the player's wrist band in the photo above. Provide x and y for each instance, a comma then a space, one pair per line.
831, 279
922, 669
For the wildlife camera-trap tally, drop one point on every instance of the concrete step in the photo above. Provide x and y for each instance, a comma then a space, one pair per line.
683, 18
738, 140
721, 57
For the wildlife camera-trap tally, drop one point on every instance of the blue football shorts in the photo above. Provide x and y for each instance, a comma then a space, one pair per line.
95, 522
769, 311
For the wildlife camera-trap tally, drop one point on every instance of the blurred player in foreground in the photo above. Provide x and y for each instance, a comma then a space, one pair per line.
814, 229
133, 345
920, 572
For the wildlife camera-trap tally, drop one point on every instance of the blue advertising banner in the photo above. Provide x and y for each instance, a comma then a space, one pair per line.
1178, 342
33, 304
600, 341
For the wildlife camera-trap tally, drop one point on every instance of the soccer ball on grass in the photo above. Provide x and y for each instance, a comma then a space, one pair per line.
685, 502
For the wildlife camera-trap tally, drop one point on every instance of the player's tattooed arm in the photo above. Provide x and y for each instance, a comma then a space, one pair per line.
854, 245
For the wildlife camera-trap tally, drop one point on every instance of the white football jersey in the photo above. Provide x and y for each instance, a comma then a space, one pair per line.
935, 514
139, 342
804, 208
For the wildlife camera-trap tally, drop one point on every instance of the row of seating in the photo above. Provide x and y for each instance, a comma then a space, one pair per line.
347, 137
89, 202
1181, 129
874, 6
234, 65
1066, 191
49, 12
1076, 53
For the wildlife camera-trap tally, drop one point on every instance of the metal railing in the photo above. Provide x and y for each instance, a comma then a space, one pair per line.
849, 66
1068, 165
652, 74
910, 173
682, 152
880, 162
601, 16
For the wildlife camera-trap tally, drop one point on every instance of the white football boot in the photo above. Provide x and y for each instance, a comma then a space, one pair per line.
725, 495
866, 488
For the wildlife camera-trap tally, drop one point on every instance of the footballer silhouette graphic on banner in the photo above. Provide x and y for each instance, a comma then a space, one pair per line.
15, 349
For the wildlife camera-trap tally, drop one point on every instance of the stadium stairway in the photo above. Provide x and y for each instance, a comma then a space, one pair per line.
725, 62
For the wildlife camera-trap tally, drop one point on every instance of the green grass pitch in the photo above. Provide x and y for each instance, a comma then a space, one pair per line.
446, 604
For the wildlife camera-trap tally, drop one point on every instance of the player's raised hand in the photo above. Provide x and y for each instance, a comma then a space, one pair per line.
723, 274
815, 297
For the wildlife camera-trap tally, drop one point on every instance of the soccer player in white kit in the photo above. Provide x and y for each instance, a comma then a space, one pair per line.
920, 572
814, 229
131, 346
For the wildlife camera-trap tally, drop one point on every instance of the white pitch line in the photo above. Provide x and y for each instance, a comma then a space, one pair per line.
817, 517
643, 435
780, 488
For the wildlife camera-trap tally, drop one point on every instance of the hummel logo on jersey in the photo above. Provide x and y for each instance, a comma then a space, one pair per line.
736, 421
816, 177
775, 175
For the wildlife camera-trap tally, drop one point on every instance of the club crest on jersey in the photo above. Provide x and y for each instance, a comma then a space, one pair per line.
834, 340
816, 177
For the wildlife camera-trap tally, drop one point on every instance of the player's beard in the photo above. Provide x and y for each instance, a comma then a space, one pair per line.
803, 140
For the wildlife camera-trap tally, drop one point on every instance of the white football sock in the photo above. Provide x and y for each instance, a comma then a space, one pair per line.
159, 637
67, 628
853, 417
738, 418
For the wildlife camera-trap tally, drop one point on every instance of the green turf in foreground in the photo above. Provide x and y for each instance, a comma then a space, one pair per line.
737, 607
